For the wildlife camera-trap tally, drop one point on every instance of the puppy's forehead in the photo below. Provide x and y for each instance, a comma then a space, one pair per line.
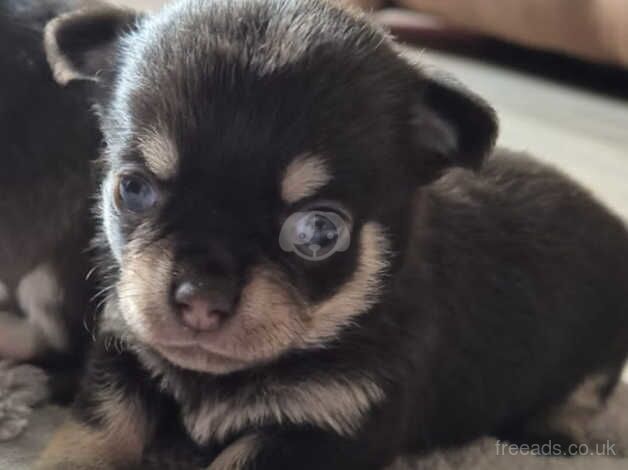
224, 54
256, 96
266, 36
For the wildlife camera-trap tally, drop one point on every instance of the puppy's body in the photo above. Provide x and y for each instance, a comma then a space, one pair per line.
414, 316
473, 337
48, 141
520, 241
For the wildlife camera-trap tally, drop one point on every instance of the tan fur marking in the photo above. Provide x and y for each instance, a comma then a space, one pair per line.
334, 403
338, 405
360, 293
303, 177
118, 443
238, 454
271, 318
160, 153
79, 447
144, 280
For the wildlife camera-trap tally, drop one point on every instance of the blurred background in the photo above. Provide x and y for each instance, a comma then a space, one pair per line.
555, 70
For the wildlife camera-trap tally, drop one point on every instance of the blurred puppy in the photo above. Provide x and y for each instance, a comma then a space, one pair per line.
289, 286
48, 141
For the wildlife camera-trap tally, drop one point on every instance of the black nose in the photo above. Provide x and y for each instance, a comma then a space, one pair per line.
203, 304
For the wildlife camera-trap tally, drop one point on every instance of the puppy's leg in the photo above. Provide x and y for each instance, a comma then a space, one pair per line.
109, 427
81, 446
115, 442
292, 449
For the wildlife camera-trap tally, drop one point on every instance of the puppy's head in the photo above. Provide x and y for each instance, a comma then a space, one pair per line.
261, 159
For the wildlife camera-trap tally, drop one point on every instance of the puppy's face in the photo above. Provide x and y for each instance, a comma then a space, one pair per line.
261, 161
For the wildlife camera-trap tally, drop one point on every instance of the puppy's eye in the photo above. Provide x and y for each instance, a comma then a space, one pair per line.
135, 193
315, 235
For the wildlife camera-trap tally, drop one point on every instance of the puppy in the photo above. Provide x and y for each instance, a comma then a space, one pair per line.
298, 276
48, 143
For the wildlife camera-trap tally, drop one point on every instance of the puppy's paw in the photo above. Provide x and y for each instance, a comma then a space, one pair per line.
22, 387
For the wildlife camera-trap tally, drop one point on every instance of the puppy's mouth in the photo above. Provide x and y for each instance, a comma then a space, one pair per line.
204, 351
199, 358
238, 344
178, 339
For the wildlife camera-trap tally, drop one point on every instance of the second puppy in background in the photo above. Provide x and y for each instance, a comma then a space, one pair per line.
48, 145
291, 284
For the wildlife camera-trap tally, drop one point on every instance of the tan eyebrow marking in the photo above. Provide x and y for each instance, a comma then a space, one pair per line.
159, 152
303, 177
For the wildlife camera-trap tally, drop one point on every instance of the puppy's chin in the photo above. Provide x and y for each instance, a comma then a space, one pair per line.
240, 342
197, 359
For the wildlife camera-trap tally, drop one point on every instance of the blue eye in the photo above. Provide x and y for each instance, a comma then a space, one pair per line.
135, 193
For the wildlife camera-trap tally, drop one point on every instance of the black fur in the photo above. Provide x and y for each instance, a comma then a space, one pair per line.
507, 286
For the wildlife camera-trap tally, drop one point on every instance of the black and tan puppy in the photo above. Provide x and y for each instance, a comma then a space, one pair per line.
48, 143
289, 287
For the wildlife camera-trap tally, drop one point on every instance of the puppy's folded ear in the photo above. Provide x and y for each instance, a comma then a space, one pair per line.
82, 45
450, 126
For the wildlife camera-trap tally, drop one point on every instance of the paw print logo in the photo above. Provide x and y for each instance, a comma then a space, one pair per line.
315, 235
